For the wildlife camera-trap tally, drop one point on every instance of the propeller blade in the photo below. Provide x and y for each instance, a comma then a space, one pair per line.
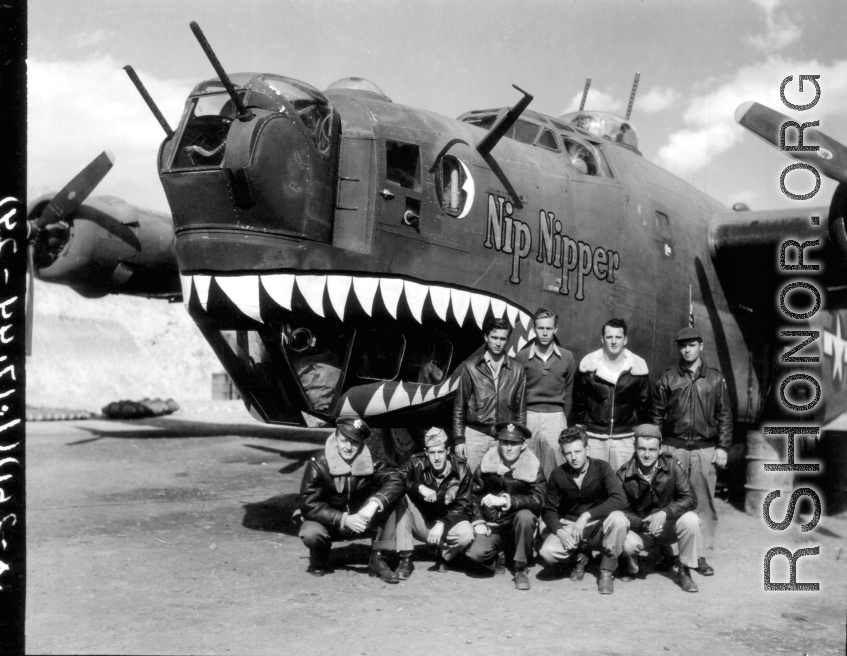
830, 158
30, 299
77, 190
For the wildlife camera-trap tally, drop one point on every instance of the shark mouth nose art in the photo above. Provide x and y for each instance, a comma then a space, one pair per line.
355, 345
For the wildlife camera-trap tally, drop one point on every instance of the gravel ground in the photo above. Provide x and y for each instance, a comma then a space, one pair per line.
174, 536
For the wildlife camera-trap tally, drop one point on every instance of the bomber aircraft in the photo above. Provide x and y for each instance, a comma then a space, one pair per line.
340, 251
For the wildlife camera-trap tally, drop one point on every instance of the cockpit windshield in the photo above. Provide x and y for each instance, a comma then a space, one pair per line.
605, 125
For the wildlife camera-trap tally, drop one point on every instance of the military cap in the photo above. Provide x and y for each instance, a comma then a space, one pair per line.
512, 431
355, 429
688, 333
647, 430
435, 436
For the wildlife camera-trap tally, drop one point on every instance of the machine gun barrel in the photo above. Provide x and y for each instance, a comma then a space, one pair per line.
503, 124
149, 100
632, 95
584, 94
244, 114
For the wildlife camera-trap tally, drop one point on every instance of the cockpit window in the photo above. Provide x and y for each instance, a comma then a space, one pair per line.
484, 122
548, 140
204, 138
524, 131
403, 164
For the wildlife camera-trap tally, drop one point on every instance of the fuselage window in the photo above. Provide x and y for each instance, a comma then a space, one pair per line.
450, 181
428, 360
548, 140
403, 164
663, 224
377, 354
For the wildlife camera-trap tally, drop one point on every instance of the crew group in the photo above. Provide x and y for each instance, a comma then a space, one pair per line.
637, 468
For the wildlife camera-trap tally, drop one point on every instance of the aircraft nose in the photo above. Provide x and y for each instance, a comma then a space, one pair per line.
230, 180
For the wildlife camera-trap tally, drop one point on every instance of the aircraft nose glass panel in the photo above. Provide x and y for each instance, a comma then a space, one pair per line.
204, 138
311, 106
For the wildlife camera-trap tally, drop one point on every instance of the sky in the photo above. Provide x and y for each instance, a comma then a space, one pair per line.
698, 61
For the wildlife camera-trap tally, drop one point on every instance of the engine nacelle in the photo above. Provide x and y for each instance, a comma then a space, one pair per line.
106, 247
745, 247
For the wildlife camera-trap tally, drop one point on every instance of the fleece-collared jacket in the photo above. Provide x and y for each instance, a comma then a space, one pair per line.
600, 493
669, 491
608, 408
692, 410
481, 402
453, 503
523, 485
332, 487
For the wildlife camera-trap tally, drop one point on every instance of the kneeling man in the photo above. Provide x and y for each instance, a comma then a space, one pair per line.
347, 495
661, 506
509, 489
437, 506
583, 506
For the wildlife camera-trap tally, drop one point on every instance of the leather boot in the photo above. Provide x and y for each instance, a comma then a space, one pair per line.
578, 570
683, 577
318, 561
521, 578
378, 567
606, 582
440, 565
405, 568
704, 568
500, 565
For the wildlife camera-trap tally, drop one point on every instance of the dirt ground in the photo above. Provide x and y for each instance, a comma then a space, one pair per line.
174, 536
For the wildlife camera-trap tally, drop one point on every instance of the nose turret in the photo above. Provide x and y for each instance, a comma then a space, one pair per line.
238, 184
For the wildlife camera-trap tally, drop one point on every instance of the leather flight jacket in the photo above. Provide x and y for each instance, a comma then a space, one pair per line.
524, 484
607, 408
670, 491
329, 489
693, 410
481, 403
453, 503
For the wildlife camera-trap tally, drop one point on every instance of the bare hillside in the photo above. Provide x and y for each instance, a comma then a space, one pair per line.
88, 352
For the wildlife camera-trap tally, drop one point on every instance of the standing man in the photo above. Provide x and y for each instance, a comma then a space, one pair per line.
347, 495
549, 386
492, 389
661, 503
612, 396
691, 408
583, 509
508, 490
438, 504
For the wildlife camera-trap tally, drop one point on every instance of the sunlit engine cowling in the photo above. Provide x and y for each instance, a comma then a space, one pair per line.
236, 187
107, 246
